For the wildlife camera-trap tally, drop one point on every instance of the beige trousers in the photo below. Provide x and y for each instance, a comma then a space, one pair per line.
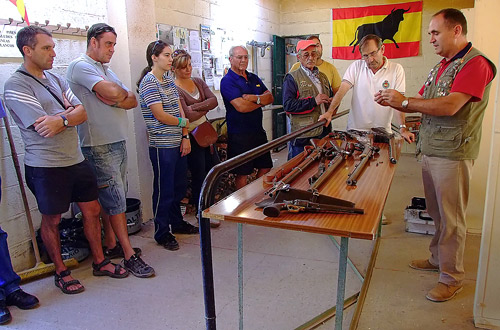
446, 187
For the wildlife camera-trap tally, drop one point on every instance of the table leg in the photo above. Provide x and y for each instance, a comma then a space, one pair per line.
240, 274
344, 243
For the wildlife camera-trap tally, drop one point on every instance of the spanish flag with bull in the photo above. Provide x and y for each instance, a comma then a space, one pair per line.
399, 25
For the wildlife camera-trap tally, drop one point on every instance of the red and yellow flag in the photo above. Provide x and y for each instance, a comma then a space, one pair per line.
21, 9
399, 25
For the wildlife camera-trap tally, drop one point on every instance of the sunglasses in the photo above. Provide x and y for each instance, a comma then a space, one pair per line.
179, 52
157, 42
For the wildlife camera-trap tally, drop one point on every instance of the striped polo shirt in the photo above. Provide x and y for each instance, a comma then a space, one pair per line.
152, 91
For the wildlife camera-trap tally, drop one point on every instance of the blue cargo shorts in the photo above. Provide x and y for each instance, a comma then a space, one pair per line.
109, 162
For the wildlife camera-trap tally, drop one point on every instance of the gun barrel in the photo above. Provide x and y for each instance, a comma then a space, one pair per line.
352, 179
332, 165
392, 148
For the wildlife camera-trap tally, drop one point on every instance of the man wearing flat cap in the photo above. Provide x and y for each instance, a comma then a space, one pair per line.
306, 96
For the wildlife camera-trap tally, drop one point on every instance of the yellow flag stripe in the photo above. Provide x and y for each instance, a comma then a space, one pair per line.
344, 30
20, 7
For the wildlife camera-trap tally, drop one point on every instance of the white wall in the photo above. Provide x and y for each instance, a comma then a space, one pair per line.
135, 23
487, 303
12, 214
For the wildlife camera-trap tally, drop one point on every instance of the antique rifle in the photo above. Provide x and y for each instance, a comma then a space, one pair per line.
339, 153
365, 156
301, 205
315, 154
385, 137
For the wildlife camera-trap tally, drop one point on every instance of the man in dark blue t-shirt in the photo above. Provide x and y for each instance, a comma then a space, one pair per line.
244, 95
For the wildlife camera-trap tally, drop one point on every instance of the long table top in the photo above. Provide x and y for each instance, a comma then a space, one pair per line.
370, 193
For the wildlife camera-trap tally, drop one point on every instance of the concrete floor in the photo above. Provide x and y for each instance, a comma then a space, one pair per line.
289, 277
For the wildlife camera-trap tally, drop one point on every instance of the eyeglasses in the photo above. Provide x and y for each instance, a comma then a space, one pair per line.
311, 54
241, 57
372, 54
97, 31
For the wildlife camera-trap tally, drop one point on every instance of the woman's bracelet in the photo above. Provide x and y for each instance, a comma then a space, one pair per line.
182, 122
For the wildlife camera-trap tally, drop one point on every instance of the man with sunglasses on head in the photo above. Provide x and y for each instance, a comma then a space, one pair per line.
244, 94
102, 139
373, 72
306, 94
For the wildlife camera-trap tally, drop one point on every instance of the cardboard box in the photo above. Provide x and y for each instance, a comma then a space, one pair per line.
417, 220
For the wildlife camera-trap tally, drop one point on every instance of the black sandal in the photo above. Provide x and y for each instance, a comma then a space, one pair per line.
63, 285
116, 274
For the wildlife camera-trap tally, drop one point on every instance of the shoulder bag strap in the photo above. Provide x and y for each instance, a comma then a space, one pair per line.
46, 87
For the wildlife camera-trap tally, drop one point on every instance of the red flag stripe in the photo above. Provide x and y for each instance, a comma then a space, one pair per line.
349, 13
406, 49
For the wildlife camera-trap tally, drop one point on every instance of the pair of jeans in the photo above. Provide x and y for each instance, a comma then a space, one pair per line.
169, 188
9, 280
200, 161
109, 162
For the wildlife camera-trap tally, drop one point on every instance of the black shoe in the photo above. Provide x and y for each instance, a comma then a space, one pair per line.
170, 243
185, 228
21, 299
138, 267
4, 313
117, 252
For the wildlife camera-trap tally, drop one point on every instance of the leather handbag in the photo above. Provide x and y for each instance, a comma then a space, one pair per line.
205, 134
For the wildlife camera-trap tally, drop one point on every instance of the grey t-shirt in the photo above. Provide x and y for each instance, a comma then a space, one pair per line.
27, 101
105, 124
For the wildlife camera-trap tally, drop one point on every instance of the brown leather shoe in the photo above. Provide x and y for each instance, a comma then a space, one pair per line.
443, 292
423, 265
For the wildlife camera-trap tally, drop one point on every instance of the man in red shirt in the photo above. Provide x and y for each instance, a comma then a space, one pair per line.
452, 103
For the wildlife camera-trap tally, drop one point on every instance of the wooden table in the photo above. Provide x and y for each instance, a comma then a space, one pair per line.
370, 194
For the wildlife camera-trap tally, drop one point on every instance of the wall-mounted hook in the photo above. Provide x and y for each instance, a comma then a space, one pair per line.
22, 21
46, 23
77, 31
37, 23
65, 28
84, 31
58, 27
10, 21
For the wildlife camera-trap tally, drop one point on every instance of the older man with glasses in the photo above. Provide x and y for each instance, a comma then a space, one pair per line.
102, 139
244, 94
306, 94
374, 72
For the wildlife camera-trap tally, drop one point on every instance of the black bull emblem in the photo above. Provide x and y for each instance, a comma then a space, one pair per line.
385, 29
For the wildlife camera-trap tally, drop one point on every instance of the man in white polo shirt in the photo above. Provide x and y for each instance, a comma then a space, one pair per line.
367, 76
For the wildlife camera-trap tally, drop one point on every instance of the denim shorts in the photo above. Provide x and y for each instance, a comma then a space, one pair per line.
109, 162
56, 187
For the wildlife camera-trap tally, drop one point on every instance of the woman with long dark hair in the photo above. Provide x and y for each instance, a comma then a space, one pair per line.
197, 100
168, 144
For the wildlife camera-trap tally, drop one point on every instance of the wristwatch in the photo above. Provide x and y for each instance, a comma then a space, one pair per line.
65, 121
185, 136
258, 99
404, 104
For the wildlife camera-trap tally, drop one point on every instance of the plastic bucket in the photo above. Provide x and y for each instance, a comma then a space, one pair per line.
133, 215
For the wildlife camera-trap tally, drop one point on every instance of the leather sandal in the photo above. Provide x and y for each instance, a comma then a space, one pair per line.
116, 274
63, 285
